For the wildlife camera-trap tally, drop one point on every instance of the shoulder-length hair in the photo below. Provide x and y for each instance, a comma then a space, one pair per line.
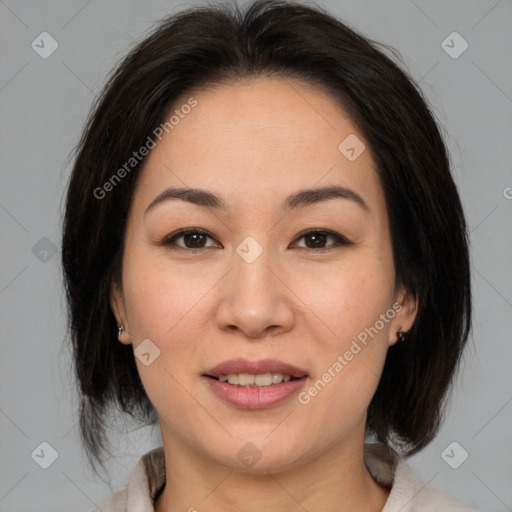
204, 46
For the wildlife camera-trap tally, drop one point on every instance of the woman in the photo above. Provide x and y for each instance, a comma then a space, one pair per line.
262, 211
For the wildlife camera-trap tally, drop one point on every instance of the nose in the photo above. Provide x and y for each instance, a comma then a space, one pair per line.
255, 299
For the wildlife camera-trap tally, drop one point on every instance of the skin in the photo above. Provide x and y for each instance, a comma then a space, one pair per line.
254, 142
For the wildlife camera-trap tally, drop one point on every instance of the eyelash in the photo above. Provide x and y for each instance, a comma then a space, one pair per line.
340, 240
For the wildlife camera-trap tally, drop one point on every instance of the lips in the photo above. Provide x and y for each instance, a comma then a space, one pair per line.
235, 366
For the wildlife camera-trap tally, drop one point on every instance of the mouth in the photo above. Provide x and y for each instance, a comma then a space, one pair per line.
255, 385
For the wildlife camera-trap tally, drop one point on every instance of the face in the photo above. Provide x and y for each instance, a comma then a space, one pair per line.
308, 283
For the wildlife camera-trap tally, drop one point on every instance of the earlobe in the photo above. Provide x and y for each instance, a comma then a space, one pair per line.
407, 309
117, 306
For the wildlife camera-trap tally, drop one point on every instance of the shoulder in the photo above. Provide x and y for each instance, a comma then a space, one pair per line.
407, 492
144, 481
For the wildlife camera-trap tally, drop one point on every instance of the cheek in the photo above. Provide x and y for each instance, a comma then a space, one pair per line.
162, 304
351, 297
349, 357
160, 295
355, 305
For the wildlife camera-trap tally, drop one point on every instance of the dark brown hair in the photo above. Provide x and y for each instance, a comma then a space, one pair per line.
220, 43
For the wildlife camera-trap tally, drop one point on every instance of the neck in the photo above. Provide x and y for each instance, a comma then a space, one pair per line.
334, 481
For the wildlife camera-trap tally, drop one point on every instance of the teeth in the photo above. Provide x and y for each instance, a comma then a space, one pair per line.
261, 380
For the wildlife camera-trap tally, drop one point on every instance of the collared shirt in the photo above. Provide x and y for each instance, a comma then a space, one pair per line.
407, 493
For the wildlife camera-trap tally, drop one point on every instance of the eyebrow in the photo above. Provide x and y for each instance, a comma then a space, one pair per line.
296, 200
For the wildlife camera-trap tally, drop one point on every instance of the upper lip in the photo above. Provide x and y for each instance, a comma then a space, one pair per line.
234, 366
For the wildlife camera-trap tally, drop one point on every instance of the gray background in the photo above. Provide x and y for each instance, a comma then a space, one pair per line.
43, 104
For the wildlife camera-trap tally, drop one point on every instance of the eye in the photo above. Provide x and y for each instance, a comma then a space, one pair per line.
316, 240
193, 239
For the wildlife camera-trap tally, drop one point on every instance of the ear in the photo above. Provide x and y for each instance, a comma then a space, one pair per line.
117, 305
406, 308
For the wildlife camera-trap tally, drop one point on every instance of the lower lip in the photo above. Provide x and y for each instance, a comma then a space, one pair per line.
255, 397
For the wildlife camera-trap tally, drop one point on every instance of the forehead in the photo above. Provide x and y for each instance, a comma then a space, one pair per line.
268, 136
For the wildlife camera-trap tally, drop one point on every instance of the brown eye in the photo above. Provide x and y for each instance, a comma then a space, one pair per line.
316, 239
192, 239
